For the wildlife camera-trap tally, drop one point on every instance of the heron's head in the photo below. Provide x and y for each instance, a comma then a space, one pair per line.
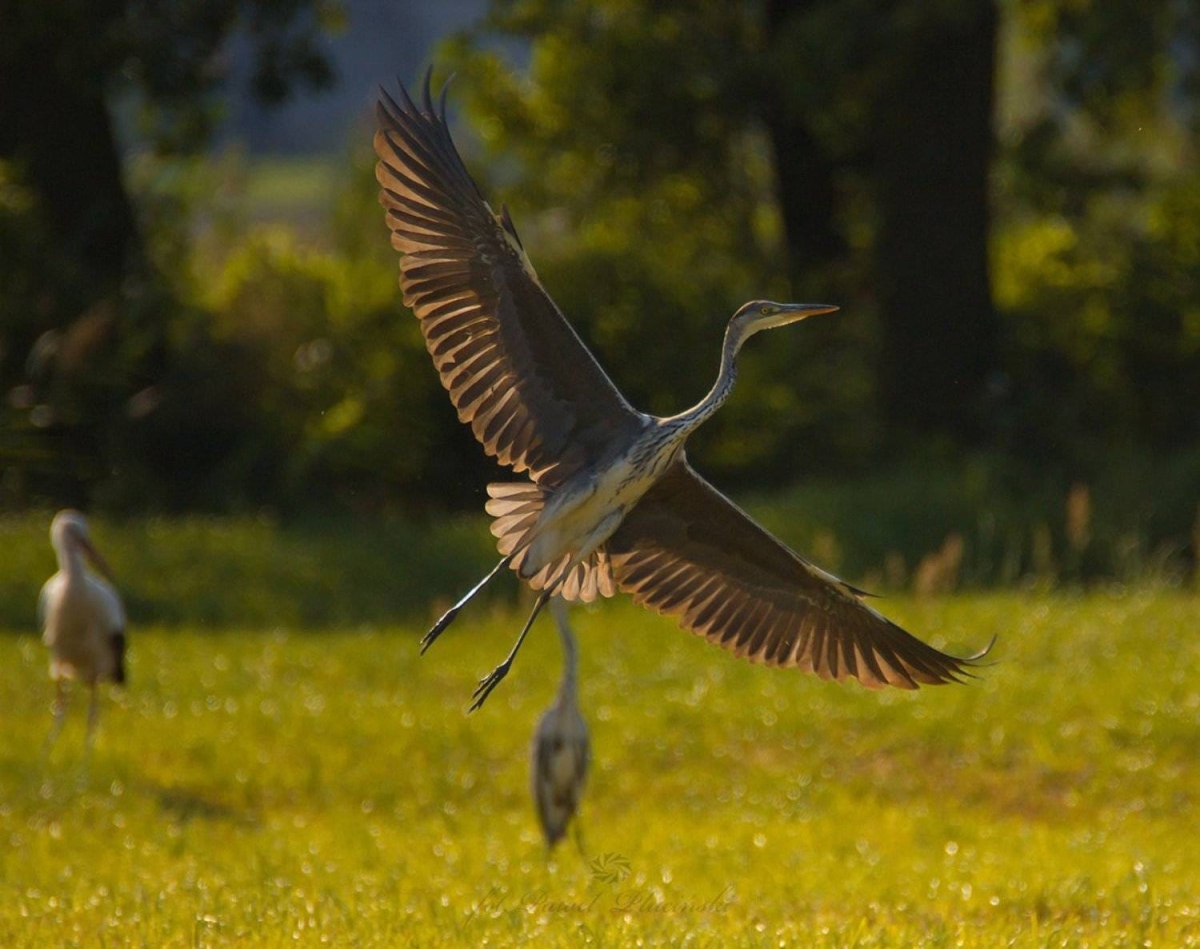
69, 532
764, 315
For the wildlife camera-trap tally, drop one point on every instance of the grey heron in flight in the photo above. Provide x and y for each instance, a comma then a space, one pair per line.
611, 501
82, 619
561, 749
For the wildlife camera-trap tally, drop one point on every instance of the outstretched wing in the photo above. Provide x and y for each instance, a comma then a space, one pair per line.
687, 551
517, 373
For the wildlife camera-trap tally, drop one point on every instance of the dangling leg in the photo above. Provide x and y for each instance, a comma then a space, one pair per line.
59, 708
93, 719
493, 678
577, 830
448, 616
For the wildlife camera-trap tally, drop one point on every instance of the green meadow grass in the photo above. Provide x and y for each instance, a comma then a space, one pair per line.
253, 572
278, 783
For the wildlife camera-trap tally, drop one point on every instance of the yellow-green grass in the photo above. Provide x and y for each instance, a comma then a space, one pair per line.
271, 786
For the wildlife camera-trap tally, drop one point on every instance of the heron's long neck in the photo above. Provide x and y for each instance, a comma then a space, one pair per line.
698, 414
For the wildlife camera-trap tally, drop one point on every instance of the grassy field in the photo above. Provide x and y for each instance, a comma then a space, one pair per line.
276, 783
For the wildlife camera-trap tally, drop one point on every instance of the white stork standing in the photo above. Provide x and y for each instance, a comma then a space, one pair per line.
561, 750
82, 619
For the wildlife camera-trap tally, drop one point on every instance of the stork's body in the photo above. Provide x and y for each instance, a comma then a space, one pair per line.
612, 502
561, 748
83, 620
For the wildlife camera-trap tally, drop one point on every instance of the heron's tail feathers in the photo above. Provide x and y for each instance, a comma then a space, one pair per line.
585, 581
515, 508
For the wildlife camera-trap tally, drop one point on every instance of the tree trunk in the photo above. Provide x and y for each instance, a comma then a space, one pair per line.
931, 147
804, 173
55, 126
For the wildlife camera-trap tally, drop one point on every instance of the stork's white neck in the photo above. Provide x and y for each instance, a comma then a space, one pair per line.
70, 558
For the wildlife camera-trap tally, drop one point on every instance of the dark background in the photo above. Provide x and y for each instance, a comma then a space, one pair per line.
198, 309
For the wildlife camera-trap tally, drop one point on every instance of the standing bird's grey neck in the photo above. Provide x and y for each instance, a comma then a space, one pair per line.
567, 687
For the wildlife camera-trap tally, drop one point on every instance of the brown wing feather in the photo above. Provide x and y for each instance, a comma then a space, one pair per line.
516, 371
687, 551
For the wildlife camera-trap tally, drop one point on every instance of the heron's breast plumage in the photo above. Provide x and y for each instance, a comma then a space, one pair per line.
585, 512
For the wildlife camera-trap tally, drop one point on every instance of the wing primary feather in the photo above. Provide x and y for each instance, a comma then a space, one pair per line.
442, 98
757, 643
419, 191
507, 221
848, 651
415, 154
409, 126
756, 619
423, 134
872, 663
404, 92
426, 98
746, 591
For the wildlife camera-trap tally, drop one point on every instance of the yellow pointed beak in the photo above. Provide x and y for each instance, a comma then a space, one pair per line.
809, 309
790, 313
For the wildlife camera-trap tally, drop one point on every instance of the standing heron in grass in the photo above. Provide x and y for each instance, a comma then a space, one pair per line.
561, 750
82, 619
611, 501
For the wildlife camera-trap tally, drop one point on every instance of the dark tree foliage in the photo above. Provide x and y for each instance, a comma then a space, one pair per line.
852, 146
61, 62
1098, 249
1007, 212
83, 318
931, 151
877, 121
805, 166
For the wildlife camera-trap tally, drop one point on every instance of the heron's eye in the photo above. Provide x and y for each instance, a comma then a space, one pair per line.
766, 310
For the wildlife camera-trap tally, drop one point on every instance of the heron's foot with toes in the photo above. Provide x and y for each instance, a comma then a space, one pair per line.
488, 683
438, 628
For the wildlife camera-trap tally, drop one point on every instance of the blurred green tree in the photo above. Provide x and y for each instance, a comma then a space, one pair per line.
83, 315
704, 149
664, 162
715, 152
61, 61
1096, 248
881, 118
